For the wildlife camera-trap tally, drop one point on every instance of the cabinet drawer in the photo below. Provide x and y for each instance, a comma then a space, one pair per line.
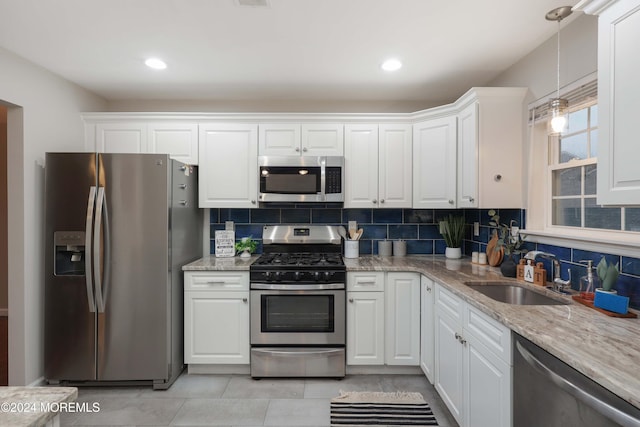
449, 303
493, 334
216, 281
365, 281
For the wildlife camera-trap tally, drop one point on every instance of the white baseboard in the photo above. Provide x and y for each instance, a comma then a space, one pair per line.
4, 312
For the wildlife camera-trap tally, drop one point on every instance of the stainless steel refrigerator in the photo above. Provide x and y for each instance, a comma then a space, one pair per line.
118, 229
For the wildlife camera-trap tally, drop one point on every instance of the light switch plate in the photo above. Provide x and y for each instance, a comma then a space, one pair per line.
476, 228
353, 225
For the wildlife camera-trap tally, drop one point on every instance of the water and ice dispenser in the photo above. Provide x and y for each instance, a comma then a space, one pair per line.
69, 253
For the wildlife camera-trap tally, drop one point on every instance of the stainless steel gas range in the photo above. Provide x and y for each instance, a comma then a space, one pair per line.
298, 305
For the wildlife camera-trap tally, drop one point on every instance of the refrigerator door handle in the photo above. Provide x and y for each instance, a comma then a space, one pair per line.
87, 242
98, 232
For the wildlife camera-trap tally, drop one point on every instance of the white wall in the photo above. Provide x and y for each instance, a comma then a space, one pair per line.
578, 58
43, 115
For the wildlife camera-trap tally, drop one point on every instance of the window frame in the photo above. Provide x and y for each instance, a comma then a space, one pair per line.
540, 202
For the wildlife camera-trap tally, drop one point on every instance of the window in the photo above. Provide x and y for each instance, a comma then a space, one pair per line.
573, 175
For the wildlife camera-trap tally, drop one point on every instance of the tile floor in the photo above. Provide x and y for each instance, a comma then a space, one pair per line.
237, 400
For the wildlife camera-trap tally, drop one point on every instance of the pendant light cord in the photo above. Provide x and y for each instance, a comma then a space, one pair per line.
558, 74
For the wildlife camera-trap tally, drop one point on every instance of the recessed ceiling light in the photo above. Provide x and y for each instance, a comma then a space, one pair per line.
155, 63
391, 65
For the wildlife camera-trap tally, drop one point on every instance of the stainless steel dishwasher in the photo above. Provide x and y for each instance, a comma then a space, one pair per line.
548, 392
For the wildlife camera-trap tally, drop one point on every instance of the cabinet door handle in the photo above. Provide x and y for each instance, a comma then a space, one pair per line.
244, 300
305, 149
351, 300
183, 202
382, 201
471, 199
253, 202
182, 186
428, 289
374, 201
297, 149
450, 201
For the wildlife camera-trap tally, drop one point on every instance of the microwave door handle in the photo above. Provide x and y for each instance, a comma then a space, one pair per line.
98, 266
87, 244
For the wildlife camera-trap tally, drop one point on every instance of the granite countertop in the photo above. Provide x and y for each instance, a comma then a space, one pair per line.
211, 263
606, 349
32, 406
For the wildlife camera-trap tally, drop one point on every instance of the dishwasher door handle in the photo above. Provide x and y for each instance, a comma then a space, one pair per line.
594, 402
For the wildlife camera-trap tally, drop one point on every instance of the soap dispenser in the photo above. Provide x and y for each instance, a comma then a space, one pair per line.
588, 283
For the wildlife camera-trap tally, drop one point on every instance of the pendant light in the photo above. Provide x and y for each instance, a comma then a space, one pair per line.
558, 107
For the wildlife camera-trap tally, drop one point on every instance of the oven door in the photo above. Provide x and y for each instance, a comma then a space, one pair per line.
298, 316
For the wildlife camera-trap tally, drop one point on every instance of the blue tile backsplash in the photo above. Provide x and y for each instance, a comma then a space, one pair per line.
420, 230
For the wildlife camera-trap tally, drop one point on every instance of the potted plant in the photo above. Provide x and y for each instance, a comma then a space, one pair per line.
608, 274
246, 246
510, 239
452, 231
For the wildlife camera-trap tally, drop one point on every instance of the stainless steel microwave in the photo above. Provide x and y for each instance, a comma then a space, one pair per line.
301, 179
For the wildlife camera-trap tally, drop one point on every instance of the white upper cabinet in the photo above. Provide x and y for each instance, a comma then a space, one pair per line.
291, 139
322, 139
179, 139
496, 153
467, 176
618, 94
361, 166
228, 172
125, 137
394, 164
377, 166
434, 163
279, 139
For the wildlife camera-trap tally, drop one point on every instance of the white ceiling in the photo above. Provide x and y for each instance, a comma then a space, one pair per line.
292, 50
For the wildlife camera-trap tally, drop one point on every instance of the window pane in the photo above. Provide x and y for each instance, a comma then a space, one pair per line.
594, 143
594, 115
596, 216
590, 179
566, 212
573, 147
578, 120
566, 182
632, 219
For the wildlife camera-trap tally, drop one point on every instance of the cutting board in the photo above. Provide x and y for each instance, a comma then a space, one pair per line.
494, 253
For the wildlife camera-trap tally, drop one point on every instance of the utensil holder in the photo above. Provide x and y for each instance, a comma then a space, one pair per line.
351, 248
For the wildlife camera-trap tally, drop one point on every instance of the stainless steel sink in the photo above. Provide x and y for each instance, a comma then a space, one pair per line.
512, 293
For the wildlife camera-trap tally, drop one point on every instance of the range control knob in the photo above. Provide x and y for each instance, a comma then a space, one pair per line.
316, 276
267, 275
327, 276
277, 275
297, 275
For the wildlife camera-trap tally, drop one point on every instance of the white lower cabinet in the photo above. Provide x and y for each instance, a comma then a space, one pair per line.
427, 333
473, 363
402, 313
383, 318
216, 318
365, 318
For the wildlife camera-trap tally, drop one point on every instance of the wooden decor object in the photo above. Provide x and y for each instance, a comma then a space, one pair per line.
494, 254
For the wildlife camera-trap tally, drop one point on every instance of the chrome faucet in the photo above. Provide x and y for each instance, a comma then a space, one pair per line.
558, 284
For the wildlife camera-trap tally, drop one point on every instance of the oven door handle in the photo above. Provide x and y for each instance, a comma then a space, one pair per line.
295, 287
289, 353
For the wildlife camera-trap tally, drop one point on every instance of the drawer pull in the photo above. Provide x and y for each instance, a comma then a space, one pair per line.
216, 282
244, 300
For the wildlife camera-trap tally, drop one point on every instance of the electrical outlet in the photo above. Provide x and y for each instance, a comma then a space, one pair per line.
476, 228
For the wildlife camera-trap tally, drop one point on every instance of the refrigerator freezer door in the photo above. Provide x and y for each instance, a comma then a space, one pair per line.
133, 335
70, 325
